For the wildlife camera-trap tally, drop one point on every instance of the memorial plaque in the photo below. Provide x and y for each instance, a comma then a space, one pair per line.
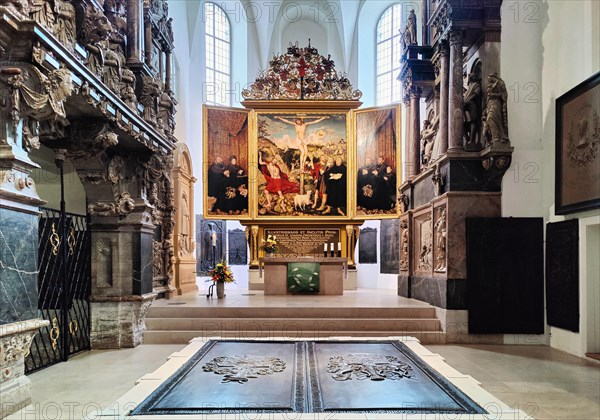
389, 244
235, 377
562, 274
210, 237
367, 246
238, 247
309, 242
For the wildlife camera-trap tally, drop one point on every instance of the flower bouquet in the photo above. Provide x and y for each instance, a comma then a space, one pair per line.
221, 272
270, 245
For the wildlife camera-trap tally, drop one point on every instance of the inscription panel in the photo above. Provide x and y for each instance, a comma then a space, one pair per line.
303, 241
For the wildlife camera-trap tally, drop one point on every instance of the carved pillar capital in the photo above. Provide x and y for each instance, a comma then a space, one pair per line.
455, 37
415, 93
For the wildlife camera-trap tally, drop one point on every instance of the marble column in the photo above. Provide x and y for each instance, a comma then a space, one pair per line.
444, 87
135, 19
455, 106
415, 132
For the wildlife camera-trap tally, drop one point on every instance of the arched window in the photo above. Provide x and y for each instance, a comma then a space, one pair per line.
389, 90
218, 55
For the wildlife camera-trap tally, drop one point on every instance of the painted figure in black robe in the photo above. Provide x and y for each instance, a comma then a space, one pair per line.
365, 182
215, 175
335, 180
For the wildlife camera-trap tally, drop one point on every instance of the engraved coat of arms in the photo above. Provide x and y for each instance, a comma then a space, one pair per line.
362, 366
242, 368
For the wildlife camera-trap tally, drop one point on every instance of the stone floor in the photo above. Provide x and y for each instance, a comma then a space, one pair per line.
541, 381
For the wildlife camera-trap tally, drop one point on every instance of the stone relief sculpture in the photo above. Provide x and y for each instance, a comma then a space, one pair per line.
496, 114
424, 246
428, 139
42, 11
472, 110
440, 241
64, 28
404, 238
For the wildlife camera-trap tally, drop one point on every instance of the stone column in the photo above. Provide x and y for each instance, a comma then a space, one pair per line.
168, 71
19, 213
148, 40
444, 87
135, 19
455, 106
415, 132
410, 170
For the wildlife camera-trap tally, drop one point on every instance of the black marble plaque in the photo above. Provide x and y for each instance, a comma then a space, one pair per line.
562, 274
505, 275
208, 255
389, 244
238, 247
306, 377
367, 246
18, 268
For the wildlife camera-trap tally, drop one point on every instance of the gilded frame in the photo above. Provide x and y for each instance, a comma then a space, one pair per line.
577, 182
394, 161
213, 146
260, 211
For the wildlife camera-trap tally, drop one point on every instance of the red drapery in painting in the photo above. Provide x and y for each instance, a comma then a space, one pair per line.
376, 136
228, 136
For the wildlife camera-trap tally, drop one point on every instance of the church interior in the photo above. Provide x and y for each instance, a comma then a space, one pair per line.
367, 208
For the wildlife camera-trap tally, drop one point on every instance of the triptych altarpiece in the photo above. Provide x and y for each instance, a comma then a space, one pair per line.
319, 160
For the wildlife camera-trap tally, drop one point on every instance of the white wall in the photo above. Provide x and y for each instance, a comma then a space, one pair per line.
549, 47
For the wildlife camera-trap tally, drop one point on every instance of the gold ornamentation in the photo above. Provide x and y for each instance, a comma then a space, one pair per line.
71, 240
54, 240
54, 333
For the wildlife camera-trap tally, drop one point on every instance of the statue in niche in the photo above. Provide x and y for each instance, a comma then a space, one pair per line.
472, 109
428, 139
496, 114
64, 29
440, 241
184, 247
409, 37
404, 245
42, 11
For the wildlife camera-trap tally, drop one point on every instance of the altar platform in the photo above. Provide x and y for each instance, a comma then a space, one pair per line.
251, 314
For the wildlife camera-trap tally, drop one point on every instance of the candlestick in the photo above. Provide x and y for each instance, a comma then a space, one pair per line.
325, 250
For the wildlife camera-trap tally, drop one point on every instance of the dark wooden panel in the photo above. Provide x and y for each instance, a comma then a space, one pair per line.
562, 274
367, 246
389, 242
505, 272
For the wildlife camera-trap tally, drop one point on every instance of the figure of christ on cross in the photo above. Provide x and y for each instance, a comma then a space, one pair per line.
300, 125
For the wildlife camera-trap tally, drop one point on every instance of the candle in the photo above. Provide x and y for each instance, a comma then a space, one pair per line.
339, 246
331, 247
325, 247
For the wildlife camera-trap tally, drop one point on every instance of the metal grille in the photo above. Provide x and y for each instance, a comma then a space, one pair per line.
69, 316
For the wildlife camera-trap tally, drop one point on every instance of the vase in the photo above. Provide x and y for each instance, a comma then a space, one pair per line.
220, 289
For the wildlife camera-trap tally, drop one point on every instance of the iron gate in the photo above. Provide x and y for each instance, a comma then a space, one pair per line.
64, 284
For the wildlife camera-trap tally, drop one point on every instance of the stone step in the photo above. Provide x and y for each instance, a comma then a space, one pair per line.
282, 312
183, 337
292, 324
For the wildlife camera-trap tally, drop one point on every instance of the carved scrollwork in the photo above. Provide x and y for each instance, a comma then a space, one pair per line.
404, 244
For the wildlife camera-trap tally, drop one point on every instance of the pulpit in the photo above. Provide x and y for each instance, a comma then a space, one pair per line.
303, 275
